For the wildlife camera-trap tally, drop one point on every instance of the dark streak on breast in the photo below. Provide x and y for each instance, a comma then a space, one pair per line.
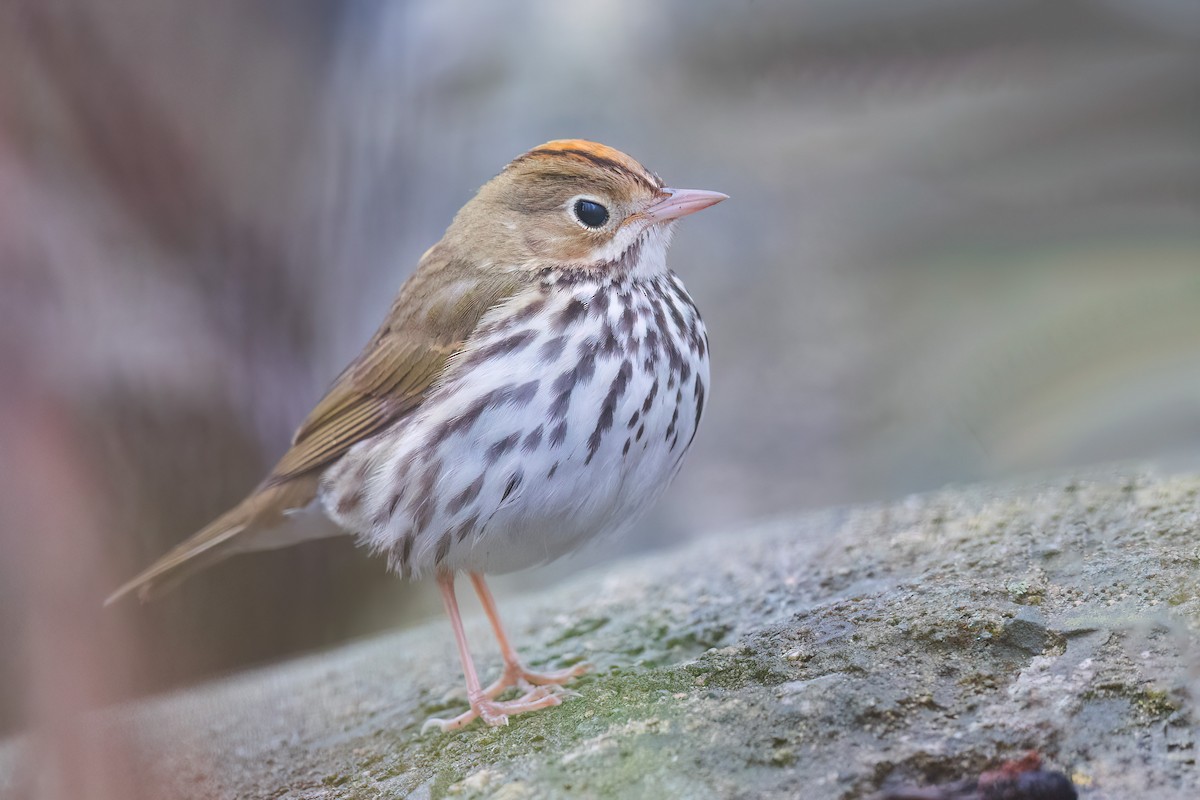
442, 549
573, 312
529, 310
628, 319
509, 344
532, 440
599, 302
501, 447
466, 527
406, 545
513, 483
699, 394
609, 343
649, 401
423, 505
553, 348
460, 500
615, 391
395, 502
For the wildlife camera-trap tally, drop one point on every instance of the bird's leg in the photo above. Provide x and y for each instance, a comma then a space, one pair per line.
515, 673
482, 705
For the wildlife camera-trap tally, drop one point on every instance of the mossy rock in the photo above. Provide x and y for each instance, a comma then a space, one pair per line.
829, 655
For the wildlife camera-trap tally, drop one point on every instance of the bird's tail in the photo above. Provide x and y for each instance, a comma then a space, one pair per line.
262, 510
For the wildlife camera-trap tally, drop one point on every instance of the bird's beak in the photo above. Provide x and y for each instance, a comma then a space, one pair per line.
676, 203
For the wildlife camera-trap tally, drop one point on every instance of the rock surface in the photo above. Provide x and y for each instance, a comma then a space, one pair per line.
827, 656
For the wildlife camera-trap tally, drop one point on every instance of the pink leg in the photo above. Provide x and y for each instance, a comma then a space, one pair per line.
482, 705
515, 673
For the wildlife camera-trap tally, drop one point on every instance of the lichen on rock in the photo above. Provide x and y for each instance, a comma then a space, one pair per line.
830, 655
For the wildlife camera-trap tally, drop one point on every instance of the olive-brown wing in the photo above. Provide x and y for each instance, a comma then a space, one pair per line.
435, 314
382, 385
437, 311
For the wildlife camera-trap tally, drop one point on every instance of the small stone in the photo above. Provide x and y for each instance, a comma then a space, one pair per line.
1026, 631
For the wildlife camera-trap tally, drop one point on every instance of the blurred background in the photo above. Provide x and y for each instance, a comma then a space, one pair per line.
964, 243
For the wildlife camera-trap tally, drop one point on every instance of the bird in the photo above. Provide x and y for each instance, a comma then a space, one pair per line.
535, 384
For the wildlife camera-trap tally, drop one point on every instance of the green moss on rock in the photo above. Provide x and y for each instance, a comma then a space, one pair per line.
825, 656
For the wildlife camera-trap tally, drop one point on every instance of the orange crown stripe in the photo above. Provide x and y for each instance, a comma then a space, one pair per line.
583, 146
597, 153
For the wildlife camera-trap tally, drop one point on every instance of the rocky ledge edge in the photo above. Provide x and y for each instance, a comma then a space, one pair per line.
835, 654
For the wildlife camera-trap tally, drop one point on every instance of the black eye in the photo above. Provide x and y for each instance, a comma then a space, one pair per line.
591, 213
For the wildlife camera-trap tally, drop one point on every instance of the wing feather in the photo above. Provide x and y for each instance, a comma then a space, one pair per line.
436, 312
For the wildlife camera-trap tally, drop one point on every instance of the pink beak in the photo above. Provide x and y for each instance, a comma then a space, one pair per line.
678, 203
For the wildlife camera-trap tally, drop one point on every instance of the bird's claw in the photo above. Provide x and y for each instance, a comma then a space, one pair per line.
516, 674
496, 713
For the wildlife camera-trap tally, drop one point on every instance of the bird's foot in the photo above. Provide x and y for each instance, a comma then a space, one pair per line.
495, 712
515, 674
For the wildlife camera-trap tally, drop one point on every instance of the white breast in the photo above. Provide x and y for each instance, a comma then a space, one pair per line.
553, 426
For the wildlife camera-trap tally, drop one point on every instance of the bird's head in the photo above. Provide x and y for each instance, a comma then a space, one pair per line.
573, 204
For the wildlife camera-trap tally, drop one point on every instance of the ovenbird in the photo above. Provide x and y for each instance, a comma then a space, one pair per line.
535, 384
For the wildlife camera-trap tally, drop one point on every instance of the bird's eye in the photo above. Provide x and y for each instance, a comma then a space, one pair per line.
591, 213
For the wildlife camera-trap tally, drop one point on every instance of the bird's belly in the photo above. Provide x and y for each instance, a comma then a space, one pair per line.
527, 454
594, 479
